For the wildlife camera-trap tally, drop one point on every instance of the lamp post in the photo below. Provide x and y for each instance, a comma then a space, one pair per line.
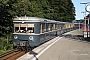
88, 10
85, 33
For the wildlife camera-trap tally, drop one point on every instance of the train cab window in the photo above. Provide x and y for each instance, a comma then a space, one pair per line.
19, 28
23, 28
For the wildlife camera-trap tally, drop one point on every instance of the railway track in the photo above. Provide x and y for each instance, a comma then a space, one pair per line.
12, 55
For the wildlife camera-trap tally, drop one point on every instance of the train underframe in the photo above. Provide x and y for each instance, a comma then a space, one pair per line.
23, 46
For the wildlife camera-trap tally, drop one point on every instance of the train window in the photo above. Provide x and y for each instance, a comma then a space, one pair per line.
30, 28
24, 28
56, 26
53, 27
45, 27
40, 28
16, 28
48, 27
20, 28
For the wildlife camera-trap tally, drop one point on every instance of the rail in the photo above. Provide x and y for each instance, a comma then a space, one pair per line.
12, 55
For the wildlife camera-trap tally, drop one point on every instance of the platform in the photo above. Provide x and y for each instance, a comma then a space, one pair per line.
70, 46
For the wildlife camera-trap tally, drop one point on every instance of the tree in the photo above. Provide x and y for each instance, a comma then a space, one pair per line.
5, 18
63, 10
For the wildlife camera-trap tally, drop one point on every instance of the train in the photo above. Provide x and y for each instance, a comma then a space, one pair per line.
79, 23
29, 32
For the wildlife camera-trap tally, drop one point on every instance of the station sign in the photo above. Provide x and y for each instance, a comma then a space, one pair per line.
87, 8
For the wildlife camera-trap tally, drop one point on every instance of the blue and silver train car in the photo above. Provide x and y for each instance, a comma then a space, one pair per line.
33, 31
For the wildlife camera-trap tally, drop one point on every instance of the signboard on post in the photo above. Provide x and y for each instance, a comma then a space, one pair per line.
87, 8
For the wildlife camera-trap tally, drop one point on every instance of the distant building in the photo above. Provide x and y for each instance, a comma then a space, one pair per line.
78, 21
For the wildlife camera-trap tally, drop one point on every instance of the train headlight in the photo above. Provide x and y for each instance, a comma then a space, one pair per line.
15, 37
31, 37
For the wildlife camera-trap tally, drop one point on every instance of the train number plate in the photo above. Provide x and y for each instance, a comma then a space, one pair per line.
23, 43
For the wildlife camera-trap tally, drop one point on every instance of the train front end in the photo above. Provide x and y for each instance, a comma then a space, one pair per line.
24, 34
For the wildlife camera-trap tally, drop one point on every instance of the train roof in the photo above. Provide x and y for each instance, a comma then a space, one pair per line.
27, 18
32, 19
35, 19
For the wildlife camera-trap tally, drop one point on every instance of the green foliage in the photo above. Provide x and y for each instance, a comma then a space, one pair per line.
5, 18
63, 10
5, 44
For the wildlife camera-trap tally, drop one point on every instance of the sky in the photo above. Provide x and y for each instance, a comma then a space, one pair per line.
79, 8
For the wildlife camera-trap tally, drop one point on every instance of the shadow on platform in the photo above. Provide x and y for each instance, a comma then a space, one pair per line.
77, 37
34, 54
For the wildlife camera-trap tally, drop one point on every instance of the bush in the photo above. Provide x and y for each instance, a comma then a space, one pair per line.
5, 45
